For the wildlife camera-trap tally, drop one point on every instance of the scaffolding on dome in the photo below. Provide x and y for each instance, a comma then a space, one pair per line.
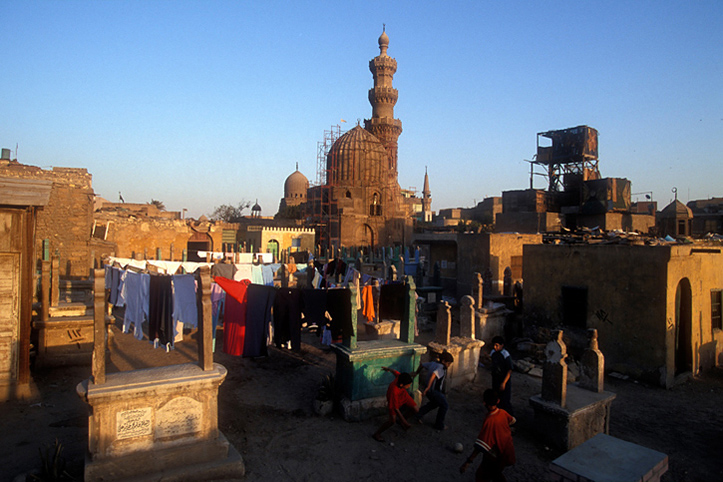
324, 211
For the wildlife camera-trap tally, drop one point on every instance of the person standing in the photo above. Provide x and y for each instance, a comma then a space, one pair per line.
434, 389
502, 373
495, 441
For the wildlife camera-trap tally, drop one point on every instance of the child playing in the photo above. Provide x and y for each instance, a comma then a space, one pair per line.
397, 397
434, 389
502, 373
495, 440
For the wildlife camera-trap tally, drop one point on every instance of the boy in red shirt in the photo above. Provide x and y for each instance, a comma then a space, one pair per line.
495, 440
397, 397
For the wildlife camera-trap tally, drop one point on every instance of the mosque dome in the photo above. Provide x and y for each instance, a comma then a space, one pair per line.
296, 186
357, 156
676, 210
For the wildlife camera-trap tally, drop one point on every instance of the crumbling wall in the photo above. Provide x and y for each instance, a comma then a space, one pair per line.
67, 218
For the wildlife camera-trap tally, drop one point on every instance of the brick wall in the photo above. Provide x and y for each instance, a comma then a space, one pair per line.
68, 217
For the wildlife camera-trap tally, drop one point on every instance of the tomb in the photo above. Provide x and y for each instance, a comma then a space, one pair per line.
157, 423
359, 376
464, 348
568, 415
604, 458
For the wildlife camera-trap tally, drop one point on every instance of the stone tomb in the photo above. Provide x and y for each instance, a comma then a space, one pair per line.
359, 376
157, 423
604, 458
568, 415
464, 348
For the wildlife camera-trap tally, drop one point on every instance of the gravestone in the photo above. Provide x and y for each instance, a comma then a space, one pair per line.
478, 290
444, 324
566, 417
554, 372
464, 348
592, 370
467, 320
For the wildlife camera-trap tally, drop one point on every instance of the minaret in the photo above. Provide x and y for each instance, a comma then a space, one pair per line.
426, 199
382, 97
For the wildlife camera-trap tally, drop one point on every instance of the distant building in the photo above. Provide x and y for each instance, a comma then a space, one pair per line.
707, 216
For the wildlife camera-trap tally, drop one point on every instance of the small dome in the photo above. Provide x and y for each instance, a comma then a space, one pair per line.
296, 185
383, 42
384, 39
256, 206
677, 210
357, 156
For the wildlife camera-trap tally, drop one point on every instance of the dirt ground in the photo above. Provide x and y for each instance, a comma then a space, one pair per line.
265, 410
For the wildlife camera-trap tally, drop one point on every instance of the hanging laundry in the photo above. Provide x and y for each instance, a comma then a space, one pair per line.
391, 301
223, 269
243, 271
267, 273
367, 295
137, 292
218, 296
313, 307
338, 304
287, 317
185, 309
234, 315
160, 320
260, 300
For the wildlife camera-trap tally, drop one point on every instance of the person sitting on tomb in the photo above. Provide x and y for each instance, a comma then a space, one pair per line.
502, 373
434, 389
398, 398
494, 440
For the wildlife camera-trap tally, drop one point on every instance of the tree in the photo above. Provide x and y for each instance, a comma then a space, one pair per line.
228, 213
158, 204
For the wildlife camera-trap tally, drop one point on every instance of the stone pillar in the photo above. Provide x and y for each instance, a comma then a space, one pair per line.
100, 331
392, 273
554, 373
478, 290
284, 276
45, 291
444, 324
592, 370
205, 322
467, 320
55, 281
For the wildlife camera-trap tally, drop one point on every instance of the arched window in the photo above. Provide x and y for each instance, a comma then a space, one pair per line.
375, 209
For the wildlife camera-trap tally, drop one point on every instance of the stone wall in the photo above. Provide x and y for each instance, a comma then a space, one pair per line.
140, 237
68, 217
495, 251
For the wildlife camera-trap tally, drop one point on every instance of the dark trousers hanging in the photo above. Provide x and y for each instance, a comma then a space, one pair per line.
160, 310
287, 317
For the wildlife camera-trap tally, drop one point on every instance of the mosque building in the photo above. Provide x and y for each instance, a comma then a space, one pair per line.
358, 200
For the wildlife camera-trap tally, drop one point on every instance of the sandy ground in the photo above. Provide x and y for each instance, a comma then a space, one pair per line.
265, 410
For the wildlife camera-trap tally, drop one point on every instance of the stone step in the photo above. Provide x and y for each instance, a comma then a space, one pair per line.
70, 309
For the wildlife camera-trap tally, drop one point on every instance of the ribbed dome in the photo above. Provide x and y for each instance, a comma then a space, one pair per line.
676, 209
357, 156
296, 185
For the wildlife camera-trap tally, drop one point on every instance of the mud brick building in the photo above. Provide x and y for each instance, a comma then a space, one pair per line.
657, 309
67, 219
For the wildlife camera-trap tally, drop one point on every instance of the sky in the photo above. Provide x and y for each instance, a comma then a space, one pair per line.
203, 103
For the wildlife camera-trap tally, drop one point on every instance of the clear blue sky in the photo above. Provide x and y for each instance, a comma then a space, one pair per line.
203, 103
